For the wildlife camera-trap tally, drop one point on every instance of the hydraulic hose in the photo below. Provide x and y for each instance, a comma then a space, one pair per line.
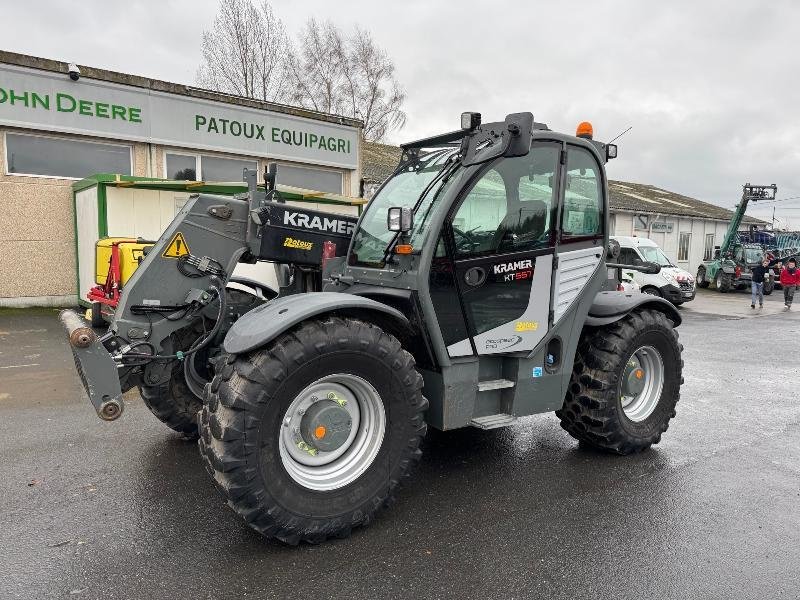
196, 347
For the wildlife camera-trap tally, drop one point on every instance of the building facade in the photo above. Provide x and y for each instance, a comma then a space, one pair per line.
686, 229
55, 130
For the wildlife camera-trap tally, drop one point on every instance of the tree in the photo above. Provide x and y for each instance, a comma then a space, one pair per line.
245, 52
350, 76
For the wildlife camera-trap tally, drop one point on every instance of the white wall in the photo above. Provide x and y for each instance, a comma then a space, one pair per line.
622, 224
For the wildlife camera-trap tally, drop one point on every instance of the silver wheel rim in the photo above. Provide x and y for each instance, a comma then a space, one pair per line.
320, 470
641, 404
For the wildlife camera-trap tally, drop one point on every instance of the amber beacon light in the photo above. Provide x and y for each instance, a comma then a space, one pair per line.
585, 130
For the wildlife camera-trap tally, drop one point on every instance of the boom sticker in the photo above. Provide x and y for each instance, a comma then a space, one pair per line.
298, 244
177, 247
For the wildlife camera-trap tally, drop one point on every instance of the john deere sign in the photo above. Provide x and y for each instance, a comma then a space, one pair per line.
52, 102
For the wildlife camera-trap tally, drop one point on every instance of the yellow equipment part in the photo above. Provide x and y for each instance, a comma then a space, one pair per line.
131, 253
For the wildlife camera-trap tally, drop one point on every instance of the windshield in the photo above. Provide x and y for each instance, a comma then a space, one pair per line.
372, 238
753, 256
654, 254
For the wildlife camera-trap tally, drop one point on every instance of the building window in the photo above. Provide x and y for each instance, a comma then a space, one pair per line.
214, 168
708, 250
684, 241
207, 168
321, 180
182, 166
63, 157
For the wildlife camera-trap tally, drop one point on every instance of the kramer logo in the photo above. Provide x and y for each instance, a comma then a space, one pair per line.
298, 244
503, 343
518, 265
319, 223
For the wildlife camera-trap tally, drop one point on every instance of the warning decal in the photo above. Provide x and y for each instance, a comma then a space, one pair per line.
177, 247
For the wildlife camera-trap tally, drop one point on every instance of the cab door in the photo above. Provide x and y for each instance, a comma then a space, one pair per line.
580, 245
496, 253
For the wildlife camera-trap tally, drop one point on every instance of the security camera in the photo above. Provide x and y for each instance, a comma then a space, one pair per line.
74, 72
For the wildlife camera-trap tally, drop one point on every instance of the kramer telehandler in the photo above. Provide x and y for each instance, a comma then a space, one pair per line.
476, 288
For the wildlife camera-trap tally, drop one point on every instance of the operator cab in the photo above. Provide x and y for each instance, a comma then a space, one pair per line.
473, 224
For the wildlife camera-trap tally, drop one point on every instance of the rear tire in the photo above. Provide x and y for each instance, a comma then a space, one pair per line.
768, 288
596, 412
173, 403
702, 278
250, 402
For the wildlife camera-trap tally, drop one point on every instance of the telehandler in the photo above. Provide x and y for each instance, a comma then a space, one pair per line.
475, 288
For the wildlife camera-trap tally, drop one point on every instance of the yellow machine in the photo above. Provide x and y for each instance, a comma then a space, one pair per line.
131, 253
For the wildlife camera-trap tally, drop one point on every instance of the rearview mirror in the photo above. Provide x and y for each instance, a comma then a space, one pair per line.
400, 219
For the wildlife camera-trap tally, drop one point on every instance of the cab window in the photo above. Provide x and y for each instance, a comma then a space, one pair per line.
511, 206
583, 199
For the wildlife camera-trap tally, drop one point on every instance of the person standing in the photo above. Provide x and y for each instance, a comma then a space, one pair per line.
790, 279
757, 283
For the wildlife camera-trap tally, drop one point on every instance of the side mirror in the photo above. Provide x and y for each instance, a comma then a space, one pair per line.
611, 151
613, 250
400, 219
650, 268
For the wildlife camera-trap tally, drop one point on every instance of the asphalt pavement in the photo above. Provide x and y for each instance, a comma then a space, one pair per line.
125, 510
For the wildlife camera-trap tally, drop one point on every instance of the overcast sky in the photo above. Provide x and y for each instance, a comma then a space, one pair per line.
711, 88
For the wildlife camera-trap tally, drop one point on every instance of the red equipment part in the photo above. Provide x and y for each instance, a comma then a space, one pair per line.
108, 293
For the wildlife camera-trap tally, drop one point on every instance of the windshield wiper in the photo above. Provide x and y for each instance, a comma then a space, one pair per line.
441, 176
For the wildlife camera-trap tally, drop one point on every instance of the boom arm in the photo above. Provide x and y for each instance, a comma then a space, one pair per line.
749, 192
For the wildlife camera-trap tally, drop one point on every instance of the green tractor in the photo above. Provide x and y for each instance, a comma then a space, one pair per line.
733, 270
731, 267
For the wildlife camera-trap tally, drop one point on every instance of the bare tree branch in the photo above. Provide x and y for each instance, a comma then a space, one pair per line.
350, 76
244, 53
248, 53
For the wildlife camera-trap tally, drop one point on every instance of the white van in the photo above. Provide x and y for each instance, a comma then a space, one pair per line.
672, 282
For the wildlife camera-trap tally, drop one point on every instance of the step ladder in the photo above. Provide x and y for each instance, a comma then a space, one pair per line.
494, 421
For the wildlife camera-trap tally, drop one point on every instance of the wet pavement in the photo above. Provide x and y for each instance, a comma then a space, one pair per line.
125, 509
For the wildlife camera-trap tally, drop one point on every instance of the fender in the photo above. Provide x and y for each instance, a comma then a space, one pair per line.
266, 322
609, 307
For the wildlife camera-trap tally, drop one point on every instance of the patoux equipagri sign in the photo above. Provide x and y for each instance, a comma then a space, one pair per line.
52, 102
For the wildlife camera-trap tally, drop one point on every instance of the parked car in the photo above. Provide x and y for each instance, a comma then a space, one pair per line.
671, 283
628, 283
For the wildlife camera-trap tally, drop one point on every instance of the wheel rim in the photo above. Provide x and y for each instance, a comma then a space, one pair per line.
332, 432
642, 383
650, 292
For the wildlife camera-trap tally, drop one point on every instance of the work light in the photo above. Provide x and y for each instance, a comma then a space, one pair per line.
470, 120
400, 219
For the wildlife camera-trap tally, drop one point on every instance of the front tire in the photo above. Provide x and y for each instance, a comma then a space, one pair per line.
250, 441
724, 282
769, 287
625, 384
652, 291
